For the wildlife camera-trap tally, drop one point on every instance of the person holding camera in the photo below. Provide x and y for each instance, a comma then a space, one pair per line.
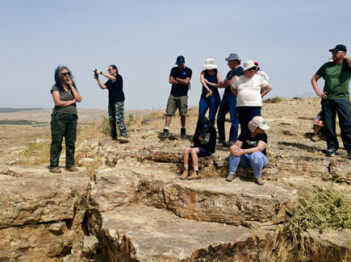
116, 99
63, 119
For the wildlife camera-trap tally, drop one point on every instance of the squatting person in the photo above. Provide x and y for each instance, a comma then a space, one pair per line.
335, 98
178, 99
63, 119
250, 150
116, 99
204, 144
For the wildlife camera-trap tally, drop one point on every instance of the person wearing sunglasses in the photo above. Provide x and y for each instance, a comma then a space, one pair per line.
116, 99
335, 98
64, 119
249, 88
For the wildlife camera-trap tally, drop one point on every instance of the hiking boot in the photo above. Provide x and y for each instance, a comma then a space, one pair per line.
165, 133
55, 170
72, 169
185, 174
227, 144
230, 177
182, 132
123, 139
194, 175
259, 181
330, 152
314, 138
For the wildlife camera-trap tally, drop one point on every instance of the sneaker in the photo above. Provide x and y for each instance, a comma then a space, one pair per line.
123, 139
259, 181
230, 177
194, 175
165, 133
330, 152
185, 174
183, 132
55, 170
227, 144
72, 169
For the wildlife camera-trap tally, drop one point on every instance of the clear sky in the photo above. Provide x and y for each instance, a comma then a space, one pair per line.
290, 40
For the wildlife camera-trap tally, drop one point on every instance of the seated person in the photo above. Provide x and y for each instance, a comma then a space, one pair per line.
250, 150
317, 127
204, 144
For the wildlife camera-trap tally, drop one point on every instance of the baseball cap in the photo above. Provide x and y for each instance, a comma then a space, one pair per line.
180, 60
338, 48
257, 122
233, 56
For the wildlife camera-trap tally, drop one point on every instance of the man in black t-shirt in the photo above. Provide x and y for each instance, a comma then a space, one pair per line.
116, 99
178, 99
250, 150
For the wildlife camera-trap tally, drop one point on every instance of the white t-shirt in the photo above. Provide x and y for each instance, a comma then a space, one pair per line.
249, 90
263, 75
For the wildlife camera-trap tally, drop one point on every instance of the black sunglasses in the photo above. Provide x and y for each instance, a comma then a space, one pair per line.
252, 68
66, 74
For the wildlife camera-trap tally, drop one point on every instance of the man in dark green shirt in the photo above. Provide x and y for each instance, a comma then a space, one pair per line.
335, 98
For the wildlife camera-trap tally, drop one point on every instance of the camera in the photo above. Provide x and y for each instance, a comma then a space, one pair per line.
95, 72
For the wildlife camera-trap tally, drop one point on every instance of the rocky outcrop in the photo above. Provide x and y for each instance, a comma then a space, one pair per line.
41, 213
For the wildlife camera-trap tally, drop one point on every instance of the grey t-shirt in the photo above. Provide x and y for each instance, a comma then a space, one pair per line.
65, 96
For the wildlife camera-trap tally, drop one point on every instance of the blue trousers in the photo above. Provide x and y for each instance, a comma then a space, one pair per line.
256, 160
228, 104
210, 102
329, 109
246, 113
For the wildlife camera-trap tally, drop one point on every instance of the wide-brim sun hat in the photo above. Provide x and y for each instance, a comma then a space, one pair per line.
232, 56
257, 122
248, 64
209, 64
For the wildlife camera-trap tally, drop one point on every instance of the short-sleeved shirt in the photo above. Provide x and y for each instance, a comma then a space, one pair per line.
337, 78
115, 89
180, 89
249, 90
65, 96
234, 72
250, 142
213, 79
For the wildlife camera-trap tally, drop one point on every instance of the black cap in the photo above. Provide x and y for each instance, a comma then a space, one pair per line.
338, 48
180, 60
203, 125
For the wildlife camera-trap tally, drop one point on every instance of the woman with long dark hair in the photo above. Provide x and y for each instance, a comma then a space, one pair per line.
63, 119
116, 99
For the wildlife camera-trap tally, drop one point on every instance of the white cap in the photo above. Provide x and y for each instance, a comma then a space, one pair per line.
257, 122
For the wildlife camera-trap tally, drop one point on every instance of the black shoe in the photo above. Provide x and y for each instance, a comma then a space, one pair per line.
182, 132
227, 144
330, 152
165, 133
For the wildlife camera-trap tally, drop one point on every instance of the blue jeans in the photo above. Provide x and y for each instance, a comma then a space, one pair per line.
246, 113
256, 160
211, 102
329, 109
228, 104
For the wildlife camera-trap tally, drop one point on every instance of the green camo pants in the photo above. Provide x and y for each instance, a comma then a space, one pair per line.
116, 111
63, 125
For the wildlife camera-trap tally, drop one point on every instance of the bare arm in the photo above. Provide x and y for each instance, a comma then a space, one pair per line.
203, 82
219, 80
314, 80
101, 85
266, 90
259, 148
77, 96
58, 102
108, 76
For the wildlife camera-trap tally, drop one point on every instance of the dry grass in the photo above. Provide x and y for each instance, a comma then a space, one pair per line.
35, 153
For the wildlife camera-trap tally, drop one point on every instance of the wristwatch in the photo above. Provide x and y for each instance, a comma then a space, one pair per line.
100, 72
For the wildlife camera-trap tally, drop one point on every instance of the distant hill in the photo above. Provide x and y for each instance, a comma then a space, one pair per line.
9, 110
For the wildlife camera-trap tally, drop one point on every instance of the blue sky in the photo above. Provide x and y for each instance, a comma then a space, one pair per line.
290, 40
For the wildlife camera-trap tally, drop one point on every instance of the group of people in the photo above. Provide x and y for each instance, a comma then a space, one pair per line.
244, 88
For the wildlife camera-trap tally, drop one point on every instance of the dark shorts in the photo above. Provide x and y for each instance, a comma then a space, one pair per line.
174, 102
202, 152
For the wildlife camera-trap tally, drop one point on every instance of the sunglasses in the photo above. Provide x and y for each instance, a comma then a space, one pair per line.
252, 68
335, 52
66, 74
